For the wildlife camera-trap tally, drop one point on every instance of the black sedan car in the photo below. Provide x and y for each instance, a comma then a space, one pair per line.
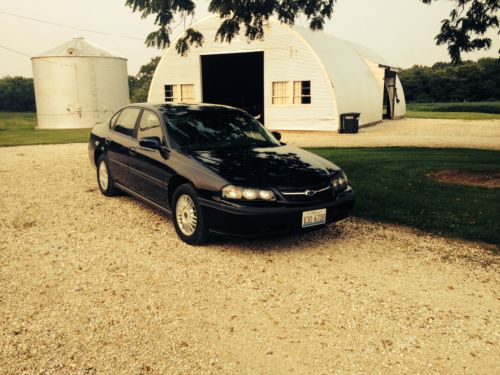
216, 169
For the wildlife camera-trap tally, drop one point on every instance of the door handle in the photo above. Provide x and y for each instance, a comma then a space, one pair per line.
132, 150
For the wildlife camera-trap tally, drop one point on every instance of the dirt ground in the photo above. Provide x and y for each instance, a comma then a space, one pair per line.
486, 179
90, 285
484, 134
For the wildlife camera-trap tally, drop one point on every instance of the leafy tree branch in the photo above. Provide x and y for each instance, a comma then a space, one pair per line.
464, 31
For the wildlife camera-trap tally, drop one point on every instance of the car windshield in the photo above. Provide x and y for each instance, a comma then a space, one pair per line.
205, 128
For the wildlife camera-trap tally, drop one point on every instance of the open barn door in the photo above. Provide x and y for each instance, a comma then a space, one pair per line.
234, 79
390, 92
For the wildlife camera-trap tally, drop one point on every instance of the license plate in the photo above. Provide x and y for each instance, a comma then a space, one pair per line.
312, 218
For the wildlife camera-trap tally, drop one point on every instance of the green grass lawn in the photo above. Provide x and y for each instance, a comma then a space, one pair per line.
453, 115
455, 111
391, 186
18, 128
476, 107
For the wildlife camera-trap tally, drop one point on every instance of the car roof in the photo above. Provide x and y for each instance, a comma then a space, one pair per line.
165, 107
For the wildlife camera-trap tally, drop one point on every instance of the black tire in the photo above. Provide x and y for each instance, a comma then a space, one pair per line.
200, 234
110, 189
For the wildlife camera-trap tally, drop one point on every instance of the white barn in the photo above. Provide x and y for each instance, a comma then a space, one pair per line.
295, 78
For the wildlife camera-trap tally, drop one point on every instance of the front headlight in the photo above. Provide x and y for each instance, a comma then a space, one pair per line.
339, 182
249, 194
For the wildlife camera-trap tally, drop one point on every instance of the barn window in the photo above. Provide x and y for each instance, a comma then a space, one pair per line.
172, 93
280, 92
302, 92
179, 93
187, 93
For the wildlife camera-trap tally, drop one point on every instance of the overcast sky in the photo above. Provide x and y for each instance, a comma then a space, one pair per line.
402, 31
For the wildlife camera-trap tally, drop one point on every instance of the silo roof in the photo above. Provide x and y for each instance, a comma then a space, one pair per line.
78, 47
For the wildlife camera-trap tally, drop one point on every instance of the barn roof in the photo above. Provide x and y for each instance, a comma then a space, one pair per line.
78, 47
345, 63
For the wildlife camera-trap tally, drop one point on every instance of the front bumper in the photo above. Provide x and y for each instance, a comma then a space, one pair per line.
244, 221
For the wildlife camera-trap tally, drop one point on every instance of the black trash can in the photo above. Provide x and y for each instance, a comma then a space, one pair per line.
349, 122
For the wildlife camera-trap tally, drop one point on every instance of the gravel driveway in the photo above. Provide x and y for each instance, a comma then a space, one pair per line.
90, 284
414, 132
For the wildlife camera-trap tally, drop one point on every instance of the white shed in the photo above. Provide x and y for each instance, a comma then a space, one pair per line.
78, 84
295, 78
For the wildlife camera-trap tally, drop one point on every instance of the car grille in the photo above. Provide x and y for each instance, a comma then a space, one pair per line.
309, 194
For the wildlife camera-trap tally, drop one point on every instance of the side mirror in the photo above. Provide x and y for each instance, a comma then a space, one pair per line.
153, 143
277, 135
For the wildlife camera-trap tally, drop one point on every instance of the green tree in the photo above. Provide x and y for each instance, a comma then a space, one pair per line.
446, 82
464, 31
139, 84
17, 94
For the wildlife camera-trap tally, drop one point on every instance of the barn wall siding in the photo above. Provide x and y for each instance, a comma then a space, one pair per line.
377, 109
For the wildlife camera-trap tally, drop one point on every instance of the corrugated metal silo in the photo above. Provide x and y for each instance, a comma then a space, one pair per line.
78, 84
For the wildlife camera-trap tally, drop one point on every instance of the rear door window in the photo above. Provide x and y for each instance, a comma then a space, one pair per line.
125, 123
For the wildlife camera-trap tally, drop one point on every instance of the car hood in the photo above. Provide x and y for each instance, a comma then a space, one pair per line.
281, 167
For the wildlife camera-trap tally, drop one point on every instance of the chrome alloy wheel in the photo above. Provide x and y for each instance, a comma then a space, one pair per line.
185, 213
103, 175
